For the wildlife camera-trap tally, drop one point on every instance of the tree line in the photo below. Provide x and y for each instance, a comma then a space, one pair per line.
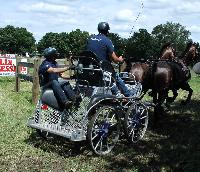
141, 45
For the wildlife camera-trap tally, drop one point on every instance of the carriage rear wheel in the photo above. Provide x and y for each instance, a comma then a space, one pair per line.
136, 122
103, 130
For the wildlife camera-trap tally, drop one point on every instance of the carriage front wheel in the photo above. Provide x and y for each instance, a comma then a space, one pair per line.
136, 121
103, 130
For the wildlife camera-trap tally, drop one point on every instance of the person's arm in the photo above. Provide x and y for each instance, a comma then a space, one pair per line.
62, 75
57, 70
110, 50
115, 58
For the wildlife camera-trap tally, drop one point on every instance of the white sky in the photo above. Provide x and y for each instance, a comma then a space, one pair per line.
42, 16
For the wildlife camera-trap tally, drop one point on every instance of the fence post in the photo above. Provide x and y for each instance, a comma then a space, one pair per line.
17, 79
70, 63
36, 84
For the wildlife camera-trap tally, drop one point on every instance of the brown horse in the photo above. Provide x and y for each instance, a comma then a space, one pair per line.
167, 52
162, 76
190, 54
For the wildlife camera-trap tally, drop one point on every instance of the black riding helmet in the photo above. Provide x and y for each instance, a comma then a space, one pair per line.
50, 53
103, 27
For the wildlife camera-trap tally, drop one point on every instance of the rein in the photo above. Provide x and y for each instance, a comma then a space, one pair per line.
131, 32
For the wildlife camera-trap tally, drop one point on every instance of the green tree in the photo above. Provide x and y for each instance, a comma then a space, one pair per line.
77, 41
16, 40
170, 32
50, 39
65, 43
118, 42
139, 46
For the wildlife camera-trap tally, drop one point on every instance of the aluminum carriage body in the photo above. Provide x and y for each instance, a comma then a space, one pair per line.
97, 117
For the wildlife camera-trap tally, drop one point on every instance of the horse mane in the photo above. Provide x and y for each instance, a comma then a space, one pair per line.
164, 47
188, 45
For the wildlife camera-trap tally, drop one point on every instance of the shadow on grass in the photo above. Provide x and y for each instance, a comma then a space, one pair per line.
56, 144
174, 146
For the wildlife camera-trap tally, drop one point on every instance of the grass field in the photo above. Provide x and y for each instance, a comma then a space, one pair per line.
173, 146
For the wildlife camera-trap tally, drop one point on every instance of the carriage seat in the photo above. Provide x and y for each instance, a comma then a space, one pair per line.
92, 69
48, 98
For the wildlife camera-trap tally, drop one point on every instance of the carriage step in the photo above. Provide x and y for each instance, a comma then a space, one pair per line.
67, 132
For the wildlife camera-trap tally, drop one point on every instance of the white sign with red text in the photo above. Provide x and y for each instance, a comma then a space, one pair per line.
8, 65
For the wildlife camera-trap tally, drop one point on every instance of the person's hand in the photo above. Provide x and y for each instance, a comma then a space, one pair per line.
72, 67
61, 74
121, 60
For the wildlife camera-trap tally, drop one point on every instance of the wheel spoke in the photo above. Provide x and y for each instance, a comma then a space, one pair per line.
131, 124
101, 145
98, 142
112, 117
143, 125
107, 145
143, 117
95, 136
131, 131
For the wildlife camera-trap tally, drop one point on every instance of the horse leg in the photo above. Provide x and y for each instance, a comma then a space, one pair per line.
158, 110
162, 96
186, 87
171, 99
154, 95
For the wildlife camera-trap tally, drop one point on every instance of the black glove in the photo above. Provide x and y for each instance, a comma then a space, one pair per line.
72, 67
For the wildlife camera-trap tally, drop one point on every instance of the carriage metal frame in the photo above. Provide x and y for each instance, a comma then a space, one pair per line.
99, 117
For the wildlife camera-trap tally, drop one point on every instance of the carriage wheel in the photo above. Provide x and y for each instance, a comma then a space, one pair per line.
103, 130
136, 121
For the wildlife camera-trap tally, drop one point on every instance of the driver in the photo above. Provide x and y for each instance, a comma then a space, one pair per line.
103, 47
50, 72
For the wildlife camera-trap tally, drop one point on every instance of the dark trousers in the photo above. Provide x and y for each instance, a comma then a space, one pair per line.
62, 91
121, 86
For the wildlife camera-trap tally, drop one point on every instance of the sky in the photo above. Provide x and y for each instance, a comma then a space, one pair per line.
123, 16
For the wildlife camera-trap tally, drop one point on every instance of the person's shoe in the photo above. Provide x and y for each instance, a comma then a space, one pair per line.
68, 104
119, 95
78, 98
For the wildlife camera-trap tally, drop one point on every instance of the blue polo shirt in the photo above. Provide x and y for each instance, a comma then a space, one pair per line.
101, 45
47, 77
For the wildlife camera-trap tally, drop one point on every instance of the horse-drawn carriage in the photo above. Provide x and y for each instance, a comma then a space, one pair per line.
100, 116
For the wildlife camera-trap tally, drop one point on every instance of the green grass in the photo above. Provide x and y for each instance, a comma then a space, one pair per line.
172, 146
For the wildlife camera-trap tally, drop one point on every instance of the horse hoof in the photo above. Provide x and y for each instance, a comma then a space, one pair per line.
150, 93
170, 100
184, 102
167, 105
167, 110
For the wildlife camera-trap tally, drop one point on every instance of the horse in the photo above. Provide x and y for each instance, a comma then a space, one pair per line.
167, 52
189, 55
164, 75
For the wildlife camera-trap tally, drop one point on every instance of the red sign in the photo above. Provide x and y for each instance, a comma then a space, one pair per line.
8, 65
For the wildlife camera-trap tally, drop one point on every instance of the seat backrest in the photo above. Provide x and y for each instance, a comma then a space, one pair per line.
91, 70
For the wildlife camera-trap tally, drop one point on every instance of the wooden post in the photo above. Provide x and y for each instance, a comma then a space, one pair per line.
70, 63
17, 79
36, 84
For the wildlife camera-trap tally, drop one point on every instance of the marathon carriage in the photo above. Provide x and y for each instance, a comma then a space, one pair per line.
100, 116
